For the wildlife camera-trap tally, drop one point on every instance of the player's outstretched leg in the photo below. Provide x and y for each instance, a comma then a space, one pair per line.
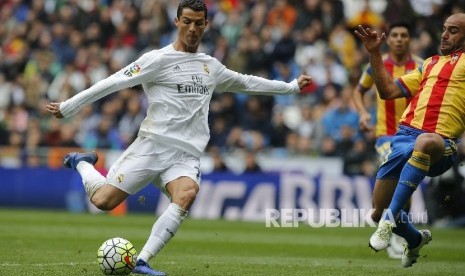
380, 239
144, 268
411, 254
73, 158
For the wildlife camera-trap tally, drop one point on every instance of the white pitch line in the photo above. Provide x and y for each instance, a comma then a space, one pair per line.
69, 264
48, 264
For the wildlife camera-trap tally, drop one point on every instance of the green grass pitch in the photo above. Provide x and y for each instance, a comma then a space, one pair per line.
60, 243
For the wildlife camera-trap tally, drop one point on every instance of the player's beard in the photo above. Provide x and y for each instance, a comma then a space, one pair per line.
192, 43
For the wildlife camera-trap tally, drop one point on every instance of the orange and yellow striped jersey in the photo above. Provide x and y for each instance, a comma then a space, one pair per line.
389, 112
437, 92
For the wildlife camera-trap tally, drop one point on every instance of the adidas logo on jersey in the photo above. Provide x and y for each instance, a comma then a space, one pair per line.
176, 68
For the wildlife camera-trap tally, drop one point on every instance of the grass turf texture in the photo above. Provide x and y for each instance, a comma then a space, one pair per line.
60, 243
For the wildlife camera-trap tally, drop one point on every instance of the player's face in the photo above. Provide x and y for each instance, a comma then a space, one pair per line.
453, 34
191, 25
398, 40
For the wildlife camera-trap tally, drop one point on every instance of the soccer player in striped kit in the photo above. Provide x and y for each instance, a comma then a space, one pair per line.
398, 61
425, 144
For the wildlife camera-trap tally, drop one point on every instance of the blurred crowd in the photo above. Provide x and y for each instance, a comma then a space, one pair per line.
53, 49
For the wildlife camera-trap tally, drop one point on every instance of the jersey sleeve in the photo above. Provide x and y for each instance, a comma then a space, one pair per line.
140, 71
366, 80
231, 81
409, 83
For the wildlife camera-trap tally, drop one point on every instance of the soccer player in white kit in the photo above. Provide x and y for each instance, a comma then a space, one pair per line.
179, 83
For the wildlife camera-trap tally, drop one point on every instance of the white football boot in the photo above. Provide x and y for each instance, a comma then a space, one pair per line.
410, 255
381, 237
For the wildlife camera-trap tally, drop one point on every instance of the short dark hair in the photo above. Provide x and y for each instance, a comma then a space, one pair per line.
400, 24
195, 5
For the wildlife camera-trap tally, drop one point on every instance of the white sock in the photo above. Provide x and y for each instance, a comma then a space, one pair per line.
162, 231
91, 178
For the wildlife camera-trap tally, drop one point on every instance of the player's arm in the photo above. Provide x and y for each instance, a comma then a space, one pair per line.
134, 74
229, 80
54, 109
387, 89
363, 114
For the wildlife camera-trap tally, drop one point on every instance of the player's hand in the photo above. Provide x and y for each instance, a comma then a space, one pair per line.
54, 108
371, 40
364, 123
303, 81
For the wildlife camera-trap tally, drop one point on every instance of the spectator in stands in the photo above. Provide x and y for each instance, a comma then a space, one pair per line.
87, 120
341, 122
306, 126
105, 136
231, 29
226, 107
366, 16
67, 136
219, 133
280, 130
33, 136
66, 83
399, 10
328, 70
258, 16
285, 46
342, 42
282, 14
217, 159
426, 7
357, 158
96, 69
332, 13
130, 121
258, 60
237, 58
52, 133
255, 118
309, 10
251, 163
159, 20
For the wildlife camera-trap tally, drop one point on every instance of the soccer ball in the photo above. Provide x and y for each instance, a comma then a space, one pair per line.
116, 256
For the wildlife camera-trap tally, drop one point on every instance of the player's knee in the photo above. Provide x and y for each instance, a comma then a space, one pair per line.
104, 202
186, 198
189, 196
107, 197
429, 143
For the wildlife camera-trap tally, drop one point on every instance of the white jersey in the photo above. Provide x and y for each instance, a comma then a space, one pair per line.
179, 87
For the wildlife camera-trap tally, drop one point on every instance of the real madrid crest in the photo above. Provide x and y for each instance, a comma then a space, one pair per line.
205, 68
120, 178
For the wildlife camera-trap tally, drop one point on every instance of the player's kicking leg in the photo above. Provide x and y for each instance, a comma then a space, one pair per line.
104, 196
101, 194
72, 159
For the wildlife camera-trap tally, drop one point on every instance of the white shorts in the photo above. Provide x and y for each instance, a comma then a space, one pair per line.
147, 160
